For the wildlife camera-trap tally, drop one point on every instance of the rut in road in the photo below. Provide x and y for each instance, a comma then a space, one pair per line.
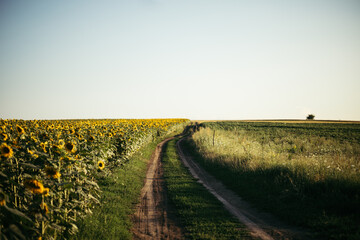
153, 218
261, 225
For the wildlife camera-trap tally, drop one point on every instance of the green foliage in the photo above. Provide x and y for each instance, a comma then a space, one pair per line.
49, 169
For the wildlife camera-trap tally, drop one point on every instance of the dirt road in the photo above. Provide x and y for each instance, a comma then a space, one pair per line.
153, 218
261, 225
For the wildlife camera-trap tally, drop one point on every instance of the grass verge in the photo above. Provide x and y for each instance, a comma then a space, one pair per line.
120, 193
201, 214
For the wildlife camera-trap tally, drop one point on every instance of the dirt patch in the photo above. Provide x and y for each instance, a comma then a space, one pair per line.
261, 225
153, 218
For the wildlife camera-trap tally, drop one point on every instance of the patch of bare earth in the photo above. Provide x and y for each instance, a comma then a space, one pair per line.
153, 218
261, 225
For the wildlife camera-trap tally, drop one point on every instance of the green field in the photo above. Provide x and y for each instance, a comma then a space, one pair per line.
308, 174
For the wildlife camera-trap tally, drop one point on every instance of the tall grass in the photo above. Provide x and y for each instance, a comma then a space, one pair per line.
309, 178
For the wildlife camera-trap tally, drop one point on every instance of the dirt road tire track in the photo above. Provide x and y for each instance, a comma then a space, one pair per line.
153, 218
262, 226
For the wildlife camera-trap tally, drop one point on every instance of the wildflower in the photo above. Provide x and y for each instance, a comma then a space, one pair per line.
101, 165
20, 130
91, 138
70, 147
52, 172
34, 186
6, 151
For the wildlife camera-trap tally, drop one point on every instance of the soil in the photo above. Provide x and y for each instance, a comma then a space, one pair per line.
154, 218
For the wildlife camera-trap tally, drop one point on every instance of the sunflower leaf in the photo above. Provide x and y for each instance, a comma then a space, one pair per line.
16, 231
29, 165
18, 213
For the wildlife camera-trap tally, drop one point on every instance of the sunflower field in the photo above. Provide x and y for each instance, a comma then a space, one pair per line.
48, 169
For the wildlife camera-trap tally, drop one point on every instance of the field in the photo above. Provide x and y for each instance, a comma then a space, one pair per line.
50, 169
308, 174
81, 179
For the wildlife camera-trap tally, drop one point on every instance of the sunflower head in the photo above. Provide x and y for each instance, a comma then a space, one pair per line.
101, 165
52, 172
4, 137
70, 147
34, 186
61, 143
19, 129
43, 146
46, 192
2, 199
32, 153
44, 208
91, 138
6, 151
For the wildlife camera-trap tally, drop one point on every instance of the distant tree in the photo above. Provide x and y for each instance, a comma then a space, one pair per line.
310, 117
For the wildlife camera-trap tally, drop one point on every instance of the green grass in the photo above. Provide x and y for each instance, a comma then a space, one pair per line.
201, 214
307, 174
120, 193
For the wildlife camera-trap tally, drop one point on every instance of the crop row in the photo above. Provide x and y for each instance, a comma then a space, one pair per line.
48, 169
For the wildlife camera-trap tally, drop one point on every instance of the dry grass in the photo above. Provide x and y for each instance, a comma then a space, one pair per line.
308, 175
317, 157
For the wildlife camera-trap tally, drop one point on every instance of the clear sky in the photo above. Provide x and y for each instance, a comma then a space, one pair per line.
197, 59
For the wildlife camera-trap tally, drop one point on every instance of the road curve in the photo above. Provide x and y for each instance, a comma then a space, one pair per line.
261, 225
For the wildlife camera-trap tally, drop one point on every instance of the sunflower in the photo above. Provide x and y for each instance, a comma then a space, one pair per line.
44, 208
52, 172
46, 192
2, 199
101, 165
4, 136
6, 151
91, 138
34, 186
56, 148
33, 154
70, 147
20, 130
61, 143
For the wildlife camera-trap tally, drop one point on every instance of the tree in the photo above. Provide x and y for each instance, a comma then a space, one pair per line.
310, 117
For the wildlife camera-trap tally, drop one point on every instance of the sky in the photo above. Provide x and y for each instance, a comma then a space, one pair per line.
203, 59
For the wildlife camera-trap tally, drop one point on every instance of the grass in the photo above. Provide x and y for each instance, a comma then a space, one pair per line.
201, 214
120, 193
307, 174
